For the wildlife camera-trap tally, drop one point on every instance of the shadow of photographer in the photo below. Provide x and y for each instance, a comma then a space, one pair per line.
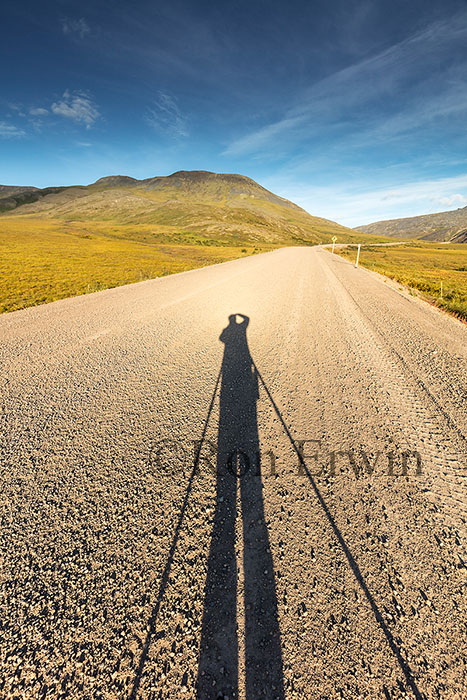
238, 473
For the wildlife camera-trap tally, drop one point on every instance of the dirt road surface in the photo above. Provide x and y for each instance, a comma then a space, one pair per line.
194, 506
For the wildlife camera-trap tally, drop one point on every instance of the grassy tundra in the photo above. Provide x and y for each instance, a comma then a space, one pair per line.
46, 260
59, 242
422, 266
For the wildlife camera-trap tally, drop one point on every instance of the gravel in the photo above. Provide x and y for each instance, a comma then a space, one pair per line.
134, 564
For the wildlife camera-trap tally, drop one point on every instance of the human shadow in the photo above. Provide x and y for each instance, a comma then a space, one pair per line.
238, 472
238, 440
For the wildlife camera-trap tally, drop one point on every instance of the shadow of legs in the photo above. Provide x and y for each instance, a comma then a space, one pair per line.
237, 450
263, 653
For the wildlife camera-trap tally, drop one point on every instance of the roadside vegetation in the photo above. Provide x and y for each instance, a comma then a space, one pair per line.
438, 271
43, 260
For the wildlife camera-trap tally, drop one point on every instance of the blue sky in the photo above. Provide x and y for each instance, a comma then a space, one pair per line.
357, 111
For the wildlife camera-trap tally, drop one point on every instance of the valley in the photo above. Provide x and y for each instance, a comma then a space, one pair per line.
62, 242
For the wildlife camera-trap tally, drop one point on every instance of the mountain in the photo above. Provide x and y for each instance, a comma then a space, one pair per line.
12, 197
445, 226
212, 207
6, 190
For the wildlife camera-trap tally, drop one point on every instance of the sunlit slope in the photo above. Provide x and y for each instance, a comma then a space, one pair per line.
444, 226
197, 205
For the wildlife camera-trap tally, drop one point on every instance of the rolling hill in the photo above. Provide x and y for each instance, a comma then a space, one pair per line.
62, 241
7, 190
187, 206
445, 226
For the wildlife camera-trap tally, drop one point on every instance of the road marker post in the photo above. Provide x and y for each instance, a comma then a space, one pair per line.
441, 290
334, 239
358, 255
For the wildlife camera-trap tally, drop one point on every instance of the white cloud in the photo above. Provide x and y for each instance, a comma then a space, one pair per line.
427, 193
358, 204
77, 106
38, 111
459, 199
10, 131
165, 116
76, 26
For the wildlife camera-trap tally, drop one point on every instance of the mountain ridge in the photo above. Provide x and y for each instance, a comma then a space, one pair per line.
449, 226
225, 207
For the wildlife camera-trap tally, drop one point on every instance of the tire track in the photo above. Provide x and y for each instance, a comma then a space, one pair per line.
398, 390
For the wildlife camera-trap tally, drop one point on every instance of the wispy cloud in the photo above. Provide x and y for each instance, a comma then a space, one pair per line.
459, 200
164, 115
38, 112
430, 192
77, 106
17, 108
78, 27
357, 204
397, 90
10, 131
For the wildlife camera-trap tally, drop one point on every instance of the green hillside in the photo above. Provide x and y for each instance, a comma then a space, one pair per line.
186, 207
62, 241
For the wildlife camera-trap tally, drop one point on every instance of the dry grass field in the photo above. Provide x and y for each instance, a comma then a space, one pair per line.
42, 260
424, 267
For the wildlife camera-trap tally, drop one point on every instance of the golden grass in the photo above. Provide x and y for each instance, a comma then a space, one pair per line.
42, 260
422, 266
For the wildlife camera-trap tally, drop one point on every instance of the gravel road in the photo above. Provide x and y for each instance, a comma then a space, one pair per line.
271, 505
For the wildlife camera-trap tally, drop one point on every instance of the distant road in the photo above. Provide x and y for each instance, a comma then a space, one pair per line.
365, 244
139, 562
